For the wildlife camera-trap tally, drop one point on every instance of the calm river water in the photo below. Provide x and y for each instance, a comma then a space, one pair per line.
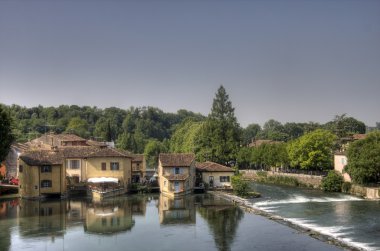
147, 222
348, 218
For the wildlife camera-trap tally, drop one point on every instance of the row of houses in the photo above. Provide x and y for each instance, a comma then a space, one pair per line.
52, 163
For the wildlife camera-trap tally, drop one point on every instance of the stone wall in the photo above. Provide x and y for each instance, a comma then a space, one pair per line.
309, 180
372, 193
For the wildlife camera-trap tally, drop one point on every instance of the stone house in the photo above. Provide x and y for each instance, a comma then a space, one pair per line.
138, 168
214, 174
176, 173
48, 172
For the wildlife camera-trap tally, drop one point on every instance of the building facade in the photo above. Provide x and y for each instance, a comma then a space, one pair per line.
176, 173
214, 175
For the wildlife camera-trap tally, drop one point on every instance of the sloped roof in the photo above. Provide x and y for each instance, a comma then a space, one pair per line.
209, 166
108, 152
42, 157
176, 159
78, 151
137, 157
359, 136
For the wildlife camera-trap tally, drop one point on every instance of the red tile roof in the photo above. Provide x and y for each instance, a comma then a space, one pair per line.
42, 157
176, 159
209, 166
137, 157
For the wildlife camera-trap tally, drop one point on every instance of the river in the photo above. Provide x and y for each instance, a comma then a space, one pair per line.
350, 219
144, 222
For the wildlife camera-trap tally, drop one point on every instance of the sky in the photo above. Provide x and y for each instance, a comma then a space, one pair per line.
292, 61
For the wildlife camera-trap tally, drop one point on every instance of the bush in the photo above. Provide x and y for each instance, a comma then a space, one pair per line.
240, 186
346, 187
332, 182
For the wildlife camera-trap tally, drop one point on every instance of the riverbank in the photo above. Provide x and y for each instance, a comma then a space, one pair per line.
249, 207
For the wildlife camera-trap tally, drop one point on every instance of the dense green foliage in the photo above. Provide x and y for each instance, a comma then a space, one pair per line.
364, 159
185, 138
332, 182
263, 177
131, 129
312, 151
344, 126
152, 149
220, 136
6, 136
240, 186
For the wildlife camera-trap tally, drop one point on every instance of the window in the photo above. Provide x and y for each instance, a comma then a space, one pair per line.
114, 166
20, 168
45, 183
104, 166
224, 178
176, 170
343, 161
45, 169
164, 183
73, 164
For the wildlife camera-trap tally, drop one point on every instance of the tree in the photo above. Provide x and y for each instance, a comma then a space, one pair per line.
6, 137
332, 182
270, 155
364, 159
185, 137
344, 126
152, 149
273, 130
79, 127
250, 133
312, 151
221, 133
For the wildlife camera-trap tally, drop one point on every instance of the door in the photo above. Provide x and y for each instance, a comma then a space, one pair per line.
176, 186
211, 181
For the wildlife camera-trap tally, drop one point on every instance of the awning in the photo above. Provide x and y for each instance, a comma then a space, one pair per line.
103, 180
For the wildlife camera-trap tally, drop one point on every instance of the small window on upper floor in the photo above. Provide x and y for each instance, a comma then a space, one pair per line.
176, 170
114, 166
46, 169
104, 166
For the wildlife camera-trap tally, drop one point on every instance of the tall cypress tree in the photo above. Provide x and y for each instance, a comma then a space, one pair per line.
222, 134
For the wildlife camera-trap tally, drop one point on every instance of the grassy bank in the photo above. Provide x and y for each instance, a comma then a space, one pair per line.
263, 177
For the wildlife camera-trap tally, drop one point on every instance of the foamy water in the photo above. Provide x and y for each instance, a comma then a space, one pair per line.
348, 219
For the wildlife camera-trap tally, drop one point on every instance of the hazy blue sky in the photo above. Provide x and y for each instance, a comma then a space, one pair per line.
287, 60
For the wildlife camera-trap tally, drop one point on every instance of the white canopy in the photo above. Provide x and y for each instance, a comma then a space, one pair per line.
103, 179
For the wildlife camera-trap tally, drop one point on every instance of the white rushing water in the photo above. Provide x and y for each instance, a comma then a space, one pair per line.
348, 219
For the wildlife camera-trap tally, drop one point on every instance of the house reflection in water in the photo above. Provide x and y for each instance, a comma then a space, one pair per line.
109, 216
42, 218
8, 217
177, 211
223, 219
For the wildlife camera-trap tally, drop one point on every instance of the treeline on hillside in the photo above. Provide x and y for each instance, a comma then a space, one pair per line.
217, 137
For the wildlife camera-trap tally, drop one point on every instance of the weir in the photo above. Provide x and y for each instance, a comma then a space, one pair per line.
349, 219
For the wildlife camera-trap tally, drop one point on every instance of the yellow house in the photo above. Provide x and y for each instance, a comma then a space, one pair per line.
42, 173
138, 168
214, 174
176, 210
109, 217
176, 173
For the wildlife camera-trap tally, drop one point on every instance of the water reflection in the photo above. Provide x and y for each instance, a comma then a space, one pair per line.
176, 211
109, 216
76, 224
8, 213
223, 219
42, 218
